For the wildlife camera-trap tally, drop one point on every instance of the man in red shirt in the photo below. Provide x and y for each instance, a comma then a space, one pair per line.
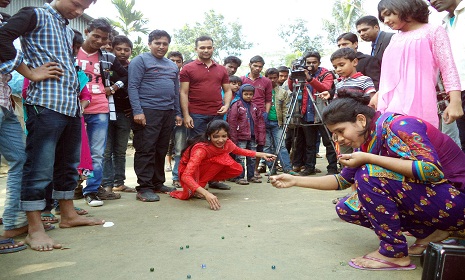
200, 94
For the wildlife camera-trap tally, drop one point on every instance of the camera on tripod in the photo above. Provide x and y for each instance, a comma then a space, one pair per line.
298, 70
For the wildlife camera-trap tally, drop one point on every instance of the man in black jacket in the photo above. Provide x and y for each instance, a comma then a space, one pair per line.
368, 28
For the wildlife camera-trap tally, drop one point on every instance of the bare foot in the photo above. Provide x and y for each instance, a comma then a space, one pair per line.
40, 241
77, 221
421, 244
15, 232
368, 263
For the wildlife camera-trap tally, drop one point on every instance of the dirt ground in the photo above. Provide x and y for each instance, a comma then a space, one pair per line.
295, 230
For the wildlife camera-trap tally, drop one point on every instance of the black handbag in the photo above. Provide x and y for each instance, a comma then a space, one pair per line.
443, 261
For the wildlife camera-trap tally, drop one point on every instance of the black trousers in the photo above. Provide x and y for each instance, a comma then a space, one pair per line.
151, 144
311, 135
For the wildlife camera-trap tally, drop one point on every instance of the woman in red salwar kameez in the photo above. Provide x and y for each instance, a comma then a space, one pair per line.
207, 159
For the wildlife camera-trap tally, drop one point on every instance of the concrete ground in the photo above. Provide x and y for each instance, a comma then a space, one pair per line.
295, 230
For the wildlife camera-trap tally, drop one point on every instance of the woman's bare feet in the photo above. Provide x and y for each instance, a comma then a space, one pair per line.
15, 232
372, 263
40, 241
420, 244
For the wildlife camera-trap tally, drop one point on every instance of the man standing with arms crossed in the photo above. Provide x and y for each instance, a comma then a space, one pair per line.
200, 93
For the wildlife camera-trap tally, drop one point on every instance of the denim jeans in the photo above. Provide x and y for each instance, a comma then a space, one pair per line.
273, 138
53, 147
451, 130
200, 123
97, 127
114, 158
12, 148
180, 137
247, 161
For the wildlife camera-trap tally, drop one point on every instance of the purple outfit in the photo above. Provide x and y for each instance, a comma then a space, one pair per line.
390, 202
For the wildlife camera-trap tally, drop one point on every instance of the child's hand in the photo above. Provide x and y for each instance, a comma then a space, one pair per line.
266, 156
325, 95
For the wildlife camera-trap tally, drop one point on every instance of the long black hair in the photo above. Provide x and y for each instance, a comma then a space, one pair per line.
346, 109
212, 127
414, 9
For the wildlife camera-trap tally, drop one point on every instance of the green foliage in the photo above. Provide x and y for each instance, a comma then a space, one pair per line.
344, 15
297, 36
227, 37
130, 22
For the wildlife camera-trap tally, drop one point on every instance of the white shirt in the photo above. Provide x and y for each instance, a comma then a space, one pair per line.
457, 40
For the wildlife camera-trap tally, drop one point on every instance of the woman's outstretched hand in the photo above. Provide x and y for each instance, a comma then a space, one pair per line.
266, 156
283, 181
213, 201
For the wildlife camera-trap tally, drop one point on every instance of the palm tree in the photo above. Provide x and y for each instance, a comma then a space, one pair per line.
345, 13
130, 22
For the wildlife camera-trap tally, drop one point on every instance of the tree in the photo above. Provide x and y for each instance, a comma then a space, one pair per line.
296, 35
130, 22
227, 37
344, 15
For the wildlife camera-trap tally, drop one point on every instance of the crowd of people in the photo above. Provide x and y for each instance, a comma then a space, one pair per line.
376, 115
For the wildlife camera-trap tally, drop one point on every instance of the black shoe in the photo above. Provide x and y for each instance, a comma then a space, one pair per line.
103, 194
307, 172
219, 186
332, 172
163, 189
147, 195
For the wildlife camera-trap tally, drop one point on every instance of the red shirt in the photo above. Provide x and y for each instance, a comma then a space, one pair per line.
263, 90
205, 85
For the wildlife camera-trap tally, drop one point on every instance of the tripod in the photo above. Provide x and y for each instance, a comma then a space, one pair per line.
293, 113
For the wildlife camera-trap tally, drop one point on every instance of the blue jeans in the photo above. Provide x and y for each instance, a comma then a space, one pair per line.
180, 137
200, 123
12, 148
114, 158
53, 149
273, 137
248, 161
97, 126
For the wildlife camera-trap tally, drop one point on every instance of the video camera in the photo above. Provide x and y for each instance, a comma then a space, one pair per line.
298, 70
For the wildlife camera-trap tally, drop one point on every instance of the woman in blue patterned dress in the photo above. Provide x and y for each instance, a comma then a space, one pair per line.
408, 177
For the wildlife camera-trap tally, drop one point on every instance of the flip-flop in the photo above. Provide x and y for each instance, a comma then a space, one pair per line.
391, 265
48, 226
416, 245
78, 210
49, 218
10, 250
124, 188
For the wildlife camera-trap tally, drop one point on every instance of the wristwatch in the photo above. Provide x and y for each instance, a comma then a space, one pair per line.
112, 90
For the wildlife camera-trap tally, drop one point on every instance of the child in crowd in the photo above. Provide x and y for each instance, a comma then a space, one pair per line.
235, 82
247, 130
416, 54
114, 157
409, 177
275, 122
345, 61
207, 159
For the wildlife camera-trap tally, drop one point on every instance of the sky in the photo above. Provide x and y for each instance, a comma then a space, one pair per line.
260, 19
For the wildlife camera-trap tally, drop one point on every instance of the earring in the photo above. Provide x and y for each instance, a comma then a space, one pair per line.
208, 138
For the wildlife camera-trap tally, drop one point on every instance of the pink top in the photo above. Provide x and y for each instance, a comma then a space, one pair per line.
408, 79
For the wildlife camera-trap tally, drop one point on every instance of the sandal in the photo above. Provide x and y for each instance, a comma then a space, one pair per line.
257, 175
124, 188
49, 218
254, 180
242, 182
48, 226
8, 245
176, 184
79, 211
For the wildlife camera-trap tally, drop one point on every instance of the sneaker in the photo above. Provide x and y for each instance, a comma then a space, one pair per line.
104, 194
93, 200
163, 189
